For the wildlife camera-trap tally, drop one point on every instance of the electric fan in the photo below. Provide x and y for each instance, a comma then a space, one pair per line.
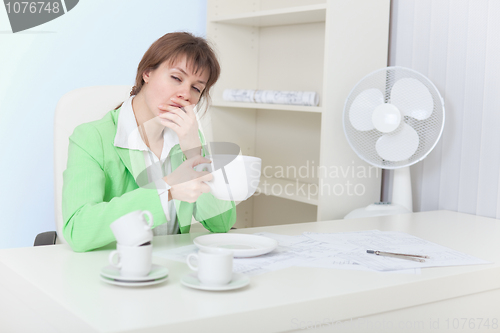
393, 118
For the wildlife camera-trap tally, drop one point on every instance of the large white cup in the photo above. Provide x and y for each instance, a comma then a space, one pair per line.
235, 177
133, 229
214, 267
132, 261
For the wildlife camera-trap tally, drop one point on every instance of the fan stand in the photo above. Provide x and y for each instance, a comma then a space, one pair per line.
395, 183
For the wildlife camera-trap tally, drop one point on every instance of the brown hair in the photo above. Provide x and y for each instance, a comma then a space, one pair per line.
173, 46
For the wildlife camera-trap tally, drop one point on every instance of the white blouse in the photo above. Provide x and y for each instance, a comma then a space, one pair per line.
128, 137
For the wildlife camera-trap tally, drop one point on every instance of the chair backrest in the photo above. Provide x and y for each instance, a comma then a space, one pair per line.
74, 108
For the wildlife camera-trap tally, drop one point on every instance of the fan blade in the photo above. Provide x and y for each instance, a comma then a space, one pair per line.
360, 113
412, 98
398, 146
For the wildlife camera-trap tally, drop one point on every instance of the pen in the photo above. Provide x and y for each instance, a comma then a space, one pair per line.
414, 257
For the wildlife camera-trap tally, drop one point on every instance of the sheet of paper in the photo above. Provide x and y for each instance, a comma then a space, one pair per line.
291, 251
353, 245
322, 254
310, 253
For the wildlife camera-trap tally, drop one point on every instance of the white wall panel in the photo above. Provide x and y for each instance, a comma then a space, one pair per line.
489, 163
454, 97
438, 23
473, 106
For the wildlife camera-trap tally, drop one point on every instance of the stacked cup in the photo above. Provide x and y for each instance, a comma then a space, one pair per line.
133, 253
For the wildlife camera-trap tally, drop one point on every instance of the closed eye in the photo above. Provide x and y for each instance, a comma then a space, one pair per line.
179, 80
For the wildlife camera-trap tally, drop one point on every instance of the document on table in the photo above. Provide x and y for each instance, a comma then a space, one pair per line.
314, 253
353, 246
345, 250
293, 251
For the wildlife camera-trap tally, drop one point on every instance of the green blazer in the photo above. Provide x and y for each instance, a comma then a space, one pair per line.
101, 185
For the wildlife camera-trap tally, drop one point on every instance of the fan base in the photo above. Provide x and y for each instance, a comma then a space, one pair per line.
377, 209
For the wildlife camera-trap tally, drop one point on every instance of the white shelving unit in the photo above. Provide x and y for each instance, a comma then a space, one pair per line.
263, 106
279, 16
326, 46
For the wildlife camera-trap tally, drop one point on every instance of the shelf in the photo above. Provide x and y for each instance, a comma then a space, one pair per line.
288, 189
283, 107
274, 17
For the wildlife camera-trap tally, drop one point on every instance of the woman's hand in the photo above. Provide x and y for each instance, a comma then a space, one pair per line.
182, 120
186, 183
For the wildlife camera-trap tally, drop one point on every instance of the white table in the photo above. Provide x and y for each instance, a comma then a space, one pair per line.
52, 289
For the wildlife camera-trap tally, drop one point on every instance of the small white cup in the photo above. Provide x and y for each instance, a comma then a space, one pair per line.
132, 261
214, 267
133, 229
241, 172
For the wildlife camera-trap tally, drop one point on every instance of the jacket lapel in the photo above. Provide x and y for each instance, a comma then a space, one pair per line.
134, 162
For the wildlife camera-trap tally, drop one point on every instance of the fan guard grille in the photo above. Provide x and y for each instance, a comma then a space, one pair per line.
429, 130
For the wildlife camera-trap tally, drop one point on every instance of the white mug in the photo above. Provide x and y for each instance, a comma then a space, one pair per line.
132, 261
133, 229
241, 172
214, 267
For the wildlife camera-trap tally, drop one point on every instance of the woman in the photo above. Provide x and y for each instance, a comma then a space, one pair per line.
141, 155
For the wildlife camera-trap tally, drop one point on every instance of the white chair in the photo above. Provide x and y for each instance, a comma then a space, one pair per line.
74, 108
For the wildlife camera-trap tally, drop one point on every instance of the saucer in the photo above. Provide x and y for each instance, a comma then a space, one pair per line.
238, 281
113, 273
132, 283
242, 245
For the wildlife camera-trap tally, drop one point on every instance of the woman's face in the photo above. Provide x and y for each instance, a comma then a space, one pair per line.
172, 81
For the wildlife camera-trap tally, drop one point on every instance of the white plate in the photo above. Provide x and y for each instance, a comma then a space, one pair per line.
242, 245
157, 272
238, 281
132, 283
